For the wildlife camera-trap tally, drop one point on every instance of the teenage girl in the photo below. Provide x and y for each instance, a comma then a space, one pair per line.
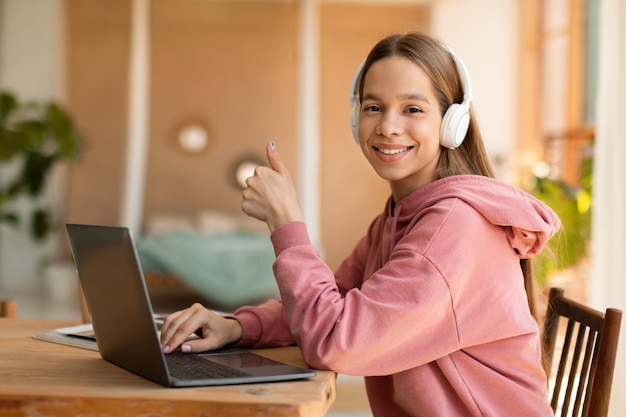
432, 305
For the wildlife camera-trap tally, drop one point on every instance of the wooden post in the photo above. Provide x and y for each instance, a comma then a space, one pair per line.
8, 309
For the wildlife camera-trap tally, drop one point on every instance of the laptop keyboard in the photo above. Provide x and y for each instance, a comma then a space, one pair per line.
185, 366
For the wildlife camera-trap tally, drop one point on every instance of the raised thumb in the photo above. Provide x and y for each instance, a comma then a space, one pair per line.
274, 159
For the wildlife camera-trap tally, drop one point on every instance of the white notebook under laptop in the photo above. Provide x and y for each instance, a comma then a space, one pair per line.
126, 334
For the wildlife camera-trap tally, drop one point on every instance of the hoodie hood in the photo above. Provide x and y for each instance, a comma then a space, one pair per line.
528, 222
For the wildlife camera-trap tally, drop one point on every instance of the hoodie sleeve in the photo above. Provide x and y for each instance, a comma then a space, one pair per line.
370, 330
266, 325
532, 232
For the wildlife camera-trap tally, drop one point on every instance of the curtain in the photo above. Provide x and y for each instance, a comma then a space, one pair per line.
607, 286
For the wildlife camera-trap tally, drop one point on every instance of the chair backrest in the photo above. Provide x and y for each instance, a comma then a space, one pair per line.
584, 371
8, 309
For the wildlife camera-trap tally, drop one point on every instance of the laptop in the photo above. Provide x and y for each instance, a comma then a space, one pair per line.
125, 330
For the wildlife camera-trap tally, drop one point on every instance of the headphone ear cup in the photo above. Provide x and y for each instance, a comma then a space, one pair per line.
454, 126
354, 120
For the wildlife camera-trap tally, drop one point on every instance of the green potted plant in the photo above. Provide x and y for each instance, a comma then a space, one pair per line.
573, 206
34, 137
38, 135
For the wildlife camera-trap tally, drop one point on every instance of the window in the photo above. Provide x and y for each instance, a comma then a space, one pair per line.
558, 86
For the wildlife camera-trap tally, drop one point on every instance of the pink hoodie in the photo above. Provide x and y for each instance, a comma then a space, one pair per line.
430, 306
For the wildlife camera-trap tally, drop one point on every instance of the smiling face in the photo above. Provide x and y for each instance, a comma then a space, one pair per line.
399, 124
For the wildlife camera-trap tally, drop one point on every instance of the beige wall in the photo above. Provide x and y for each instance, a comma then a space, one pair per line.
97, 52
231, 66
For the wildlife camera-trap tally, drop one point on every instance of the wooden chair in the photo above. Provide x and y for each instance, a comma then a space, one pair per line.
585, 368
8, 309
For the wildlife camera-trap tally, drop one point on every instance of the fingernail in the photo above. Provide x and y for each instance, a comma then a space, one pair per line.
272, 145
185, 348
166, 349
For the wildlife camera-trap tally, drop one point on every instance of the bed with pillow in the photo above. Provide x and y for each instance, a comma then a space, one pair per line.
225, 261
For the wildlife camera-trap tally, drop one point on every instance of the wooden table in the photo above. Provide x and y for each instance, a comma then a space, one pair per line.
40, 378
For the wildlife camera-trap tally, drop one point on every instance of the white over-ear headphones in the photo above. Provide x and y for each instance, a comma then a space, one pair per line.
455, 122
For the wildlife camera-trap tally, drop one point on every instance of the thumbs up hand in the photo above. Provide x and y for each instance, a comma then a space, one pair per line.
270, 195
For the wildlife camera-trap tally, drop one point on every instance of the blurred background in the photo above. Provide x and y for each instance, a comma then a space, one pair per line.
148, 108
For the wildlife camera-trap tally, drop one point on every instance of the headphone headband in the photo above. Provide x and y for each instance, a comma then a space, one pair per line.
464, 73
354, 91
356, 104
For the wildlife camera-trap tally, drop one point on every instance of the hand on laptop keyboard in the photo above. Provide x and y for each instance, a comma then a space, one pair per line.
214, 331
